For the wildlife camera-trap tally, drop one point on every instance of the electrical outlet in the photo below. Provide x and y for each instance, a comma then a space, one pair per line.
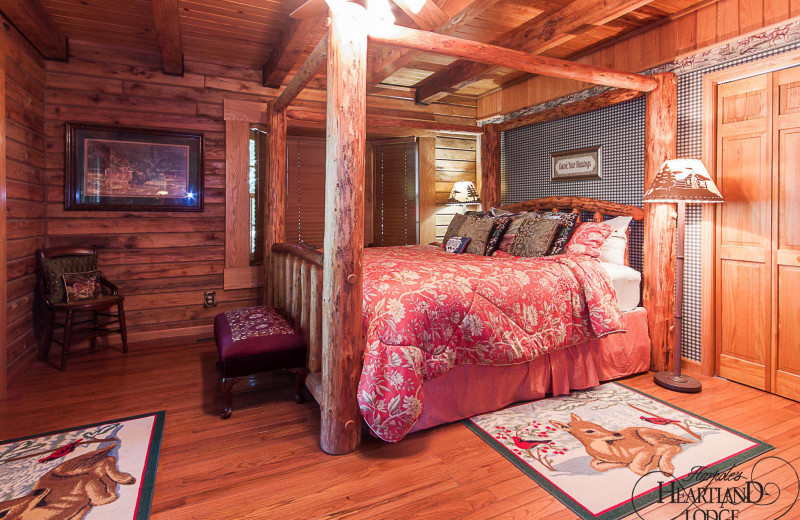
209, 299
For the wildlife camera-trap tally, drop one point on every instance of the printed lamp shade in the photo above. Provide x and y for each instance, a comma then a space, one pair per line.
684, 180
464, 192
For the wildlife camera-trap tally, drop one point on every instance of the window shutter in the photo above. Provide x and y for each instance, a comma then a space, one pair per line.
395, 210
305, 191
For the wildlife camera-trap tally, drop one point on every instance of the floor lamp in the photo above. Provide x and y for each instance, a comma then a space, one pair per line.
682, 181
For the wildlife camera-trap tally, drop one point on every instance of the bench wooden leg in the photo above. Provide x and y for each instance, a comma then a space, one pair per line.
227, 387
301, 373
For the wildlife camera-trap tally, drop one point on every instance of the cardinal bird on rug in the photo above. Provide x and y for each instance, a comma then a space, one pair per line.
526, 445
658, 420
61, 452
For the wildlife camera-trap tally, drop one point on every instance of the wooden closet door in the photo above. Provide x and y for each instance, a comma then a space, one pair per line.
786, 238
744, 241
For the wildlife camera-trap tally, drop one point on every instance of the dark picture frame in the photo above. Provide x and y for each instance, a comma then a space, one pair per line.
117, 168
570, 165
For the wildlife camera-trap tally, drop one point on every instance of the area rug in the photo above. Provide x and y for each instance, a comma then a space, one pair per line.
99, 471
610, 451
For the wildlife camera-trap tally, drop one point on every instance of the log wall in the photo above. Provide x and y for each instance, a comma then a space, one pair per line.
456, 159
163, 262
25, 161
706, 27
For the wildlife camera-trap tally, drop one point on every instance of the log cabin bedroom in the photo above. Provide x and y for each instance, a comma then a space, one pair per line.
399, 259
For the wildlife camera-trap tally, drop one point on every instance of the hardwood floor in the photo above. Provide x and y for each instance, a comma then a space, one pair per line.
265, 461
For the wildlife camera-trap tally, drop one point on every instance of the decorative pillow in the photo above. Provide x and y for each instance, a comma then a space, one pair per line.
454, 227
534, 237
478, 229
54, 268
498, 230
587, 239
516, 221
457, 245
83, 286
566, 225
613, 249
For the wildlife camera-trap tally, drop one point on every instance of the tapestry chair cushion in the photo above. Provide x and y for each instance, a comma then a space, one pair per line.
55, 268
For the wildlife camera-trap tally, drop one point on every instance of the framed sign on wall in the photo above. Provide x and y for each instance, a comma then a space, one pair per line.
572, 165
114, 168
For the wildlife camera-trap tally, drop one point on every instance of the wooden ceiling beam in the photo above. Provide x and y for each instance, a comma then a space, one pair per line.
606, 99
493, 55
380, 123
315, 62
392, 59
535, 37
166, 18
295, 38
36, 24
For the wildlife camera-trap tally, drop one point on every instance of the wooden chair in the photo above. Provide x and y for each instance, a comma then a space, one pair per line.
87, 258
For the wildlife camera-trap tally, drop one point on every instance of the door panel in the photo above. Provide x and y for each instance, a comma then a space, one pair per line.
787, 238
743, 274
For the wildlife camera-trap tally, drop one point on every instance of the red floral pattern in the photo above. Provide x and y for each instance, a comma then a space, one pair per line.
254, 322
426, 311
588, 238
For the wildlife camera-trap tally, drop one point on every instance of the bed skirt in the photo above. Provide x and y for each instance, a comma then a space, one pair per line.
469, 390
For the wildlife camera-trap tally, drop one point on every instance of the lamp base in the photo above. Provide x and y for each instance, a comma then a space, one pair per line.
675, 383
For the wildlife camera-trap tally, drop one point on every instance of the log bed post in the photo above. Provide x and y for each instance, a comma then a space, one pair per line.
344, 229
490, 166
275, 214
659, 224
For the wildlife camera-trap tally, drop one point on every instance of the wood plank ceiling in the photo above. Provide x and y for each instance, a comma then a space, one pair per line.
255, 34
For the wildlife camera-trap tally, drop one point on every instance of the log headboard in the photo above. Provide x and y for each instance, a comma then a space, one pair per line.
599, 209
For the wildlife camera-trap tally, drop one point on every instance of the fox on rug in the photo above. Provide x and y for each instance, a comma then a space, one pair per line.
102, 471
71, 489
640, 449
608, 449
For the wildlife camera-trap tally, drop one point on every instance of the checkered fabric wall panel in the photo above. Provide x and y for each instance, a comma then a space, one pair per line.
620, 129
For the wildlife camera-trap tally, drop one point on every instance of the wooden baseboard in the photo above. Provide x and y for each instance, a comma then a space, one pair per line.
136, 340
691, 366
163, 337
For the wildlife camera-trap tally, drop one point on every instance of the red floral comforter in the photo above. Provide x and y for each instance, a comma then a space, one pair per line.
426, 311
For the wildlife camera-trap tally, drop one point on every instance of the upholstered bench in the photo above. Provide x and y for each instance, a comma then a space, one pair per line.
253, 340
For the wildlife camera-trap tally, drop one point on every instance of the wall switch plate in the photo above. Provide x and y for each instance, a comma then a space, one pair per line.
209, 299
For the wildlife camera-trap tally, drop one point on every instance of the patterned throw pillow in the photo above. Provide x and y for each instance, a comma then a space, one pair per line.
587, 239
457, 245
478, 229
516, 221
83, 286
498, 230
454, 227
54, 268
534, 237
566, 225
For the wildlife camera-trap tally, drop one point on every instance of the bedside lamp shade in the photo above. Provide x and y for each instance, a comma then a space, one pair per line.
463, 192
683, 180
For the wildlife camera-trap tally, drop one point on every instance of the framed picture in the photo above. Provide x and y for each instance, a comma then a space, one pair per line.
572, 165
114, 168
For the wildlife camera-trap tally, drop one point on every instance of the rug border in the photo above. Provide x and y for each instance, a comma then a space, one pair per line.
144, 502
636, 504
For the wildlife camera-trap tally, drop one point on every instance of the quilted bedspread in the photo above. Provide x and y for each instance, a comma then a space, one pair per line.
426, 311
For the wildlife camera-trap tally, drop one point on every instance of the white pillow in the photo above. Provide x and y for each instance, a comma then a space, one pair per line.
613, 249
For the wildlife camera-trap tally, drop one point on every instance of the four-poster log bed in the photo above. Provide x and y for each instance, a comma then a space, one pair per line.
322, 293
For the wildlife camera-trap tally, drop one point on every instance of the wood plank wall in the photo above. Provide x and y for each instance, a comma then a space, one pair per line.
163, 262
456, 159
706, 27
25, 160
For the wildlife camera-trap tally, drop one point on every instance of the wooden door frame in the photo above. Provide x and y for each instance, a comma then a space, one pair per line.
709, 347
